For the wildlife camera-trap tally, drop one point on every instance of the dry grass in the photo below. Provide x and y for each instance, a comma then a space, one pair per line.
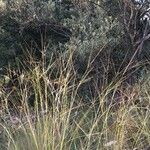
116, 118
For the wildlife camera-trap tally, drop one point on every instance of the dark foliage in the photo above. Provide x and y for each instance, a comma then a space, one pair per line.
35, 34
43, 31
30, 25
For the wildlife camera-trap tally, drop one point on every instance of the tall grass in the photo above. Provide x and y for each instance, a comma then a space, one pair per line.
116, 118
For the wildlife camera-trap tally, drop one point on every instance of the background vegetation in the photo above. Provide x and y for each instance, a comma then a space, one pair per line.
74, 74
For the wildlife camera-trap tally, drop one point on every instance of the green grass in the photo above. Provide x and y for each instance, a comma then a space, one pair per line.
116, 118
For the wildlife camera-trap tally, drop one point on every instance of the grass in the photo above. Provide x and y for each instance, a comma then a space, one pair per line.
117, 117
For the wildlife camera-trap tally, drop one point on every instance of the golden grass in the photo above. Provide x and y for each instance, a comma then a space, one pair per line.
117, 118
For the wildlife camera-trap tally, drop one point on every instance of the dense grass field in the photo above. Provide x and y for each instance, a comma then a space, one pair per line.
74, 75
46, 113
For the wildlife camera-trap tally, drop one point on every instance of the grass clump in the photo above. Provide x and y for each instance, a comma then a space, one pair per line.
46, 111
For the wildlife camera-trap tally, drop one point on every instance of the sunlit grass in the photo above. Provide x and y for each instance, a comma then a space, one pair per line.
116, 118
